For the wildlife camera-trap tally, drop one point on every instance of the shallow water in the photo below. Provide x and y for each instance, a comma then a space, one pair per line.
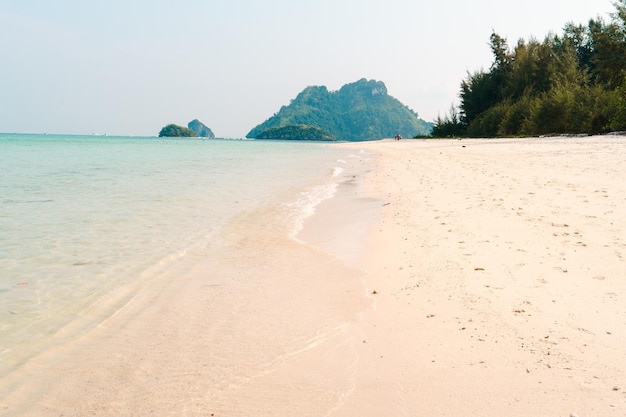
82, 217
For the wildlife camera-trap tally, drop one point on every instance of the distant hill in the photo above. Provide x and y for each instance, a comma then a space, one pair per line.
358, 111
201, 129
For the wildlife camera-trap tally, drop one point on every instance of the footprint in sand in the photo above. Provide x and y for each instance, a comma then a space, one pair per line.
560, 224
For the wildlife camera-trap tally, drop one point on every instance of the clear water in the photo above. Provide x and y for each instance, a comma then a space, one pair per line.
82, 215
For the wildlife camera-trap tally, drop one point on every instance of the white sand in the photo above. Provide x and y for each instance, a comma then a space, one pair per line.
483, 278
501, 273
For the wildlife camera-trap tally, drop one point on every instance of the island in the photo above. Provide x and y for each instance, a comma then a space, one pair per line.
176, 131
201, 129
295, 132
362, 110
194, 129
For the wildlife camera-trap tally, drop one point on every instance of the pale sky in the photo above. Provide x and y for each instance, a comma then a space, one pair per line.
129, 67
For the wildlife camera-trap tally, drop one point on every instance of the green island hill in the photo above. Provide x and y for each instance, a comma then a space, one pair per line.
176, 131
358, 111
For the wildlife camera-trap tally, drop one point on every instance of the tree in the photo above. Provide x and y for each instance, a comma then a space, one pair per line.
478, 93
580, 39
449, 126
609, 58
574, 83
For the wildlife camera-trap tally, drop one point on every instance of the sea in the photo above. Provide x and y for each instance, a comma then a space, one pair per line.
85, 217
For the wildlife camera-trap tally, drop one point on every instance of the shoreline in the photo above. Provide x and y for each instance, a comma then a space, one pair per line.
444, 277
340, 225
236, 324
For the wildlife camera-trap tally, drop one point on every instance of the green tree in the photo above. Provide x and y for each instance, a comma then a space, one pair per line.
609, 58
449, 126
574, 83
478, 93
580, 39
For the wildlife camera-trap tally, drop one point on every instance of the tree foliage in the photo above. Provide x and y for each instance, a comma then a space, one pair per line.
298, 132
569, 83
358, 111
176, 131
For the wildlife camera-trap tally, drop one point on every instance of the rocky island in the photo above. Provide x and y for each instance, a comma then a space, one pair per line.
358, 111
194, 128
201, 129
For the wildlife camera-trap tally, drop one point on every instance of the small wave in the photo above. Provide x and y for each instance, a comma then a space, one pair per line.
337, 171
27, 201
341, 161
305, 204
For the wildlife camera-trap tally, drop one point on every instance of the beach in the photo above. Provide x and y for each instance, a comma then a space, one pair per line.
499, 267
443, 278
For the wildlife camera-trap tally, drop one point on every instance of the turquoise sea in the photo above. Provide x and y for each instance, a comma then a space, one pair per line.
83, 216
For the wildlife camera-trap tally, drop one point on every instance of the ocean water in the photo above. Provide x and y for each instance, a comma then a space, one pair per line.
83, 216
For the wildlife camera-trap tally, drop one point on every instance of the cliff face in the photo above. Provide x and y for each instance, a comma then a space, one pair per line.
358, 111
201, 129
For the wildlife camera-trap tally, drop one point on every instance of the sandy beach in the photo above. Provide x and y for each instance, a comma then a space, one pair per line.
451, 277
500, 272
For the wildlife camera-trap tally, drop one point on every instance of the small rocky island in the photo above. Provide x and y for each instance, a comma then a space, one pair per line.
195, 128
201, 129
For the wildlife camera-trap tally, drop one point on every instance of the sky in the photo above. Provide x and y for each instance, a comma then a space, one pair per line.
130, 67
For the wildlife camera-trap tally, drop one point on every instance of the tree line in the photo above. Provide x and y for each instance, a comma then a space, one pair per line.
573, 83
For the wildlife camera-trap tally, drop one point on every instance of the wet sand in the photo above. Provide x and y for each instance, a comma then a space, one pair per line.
254, 324
473, 277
